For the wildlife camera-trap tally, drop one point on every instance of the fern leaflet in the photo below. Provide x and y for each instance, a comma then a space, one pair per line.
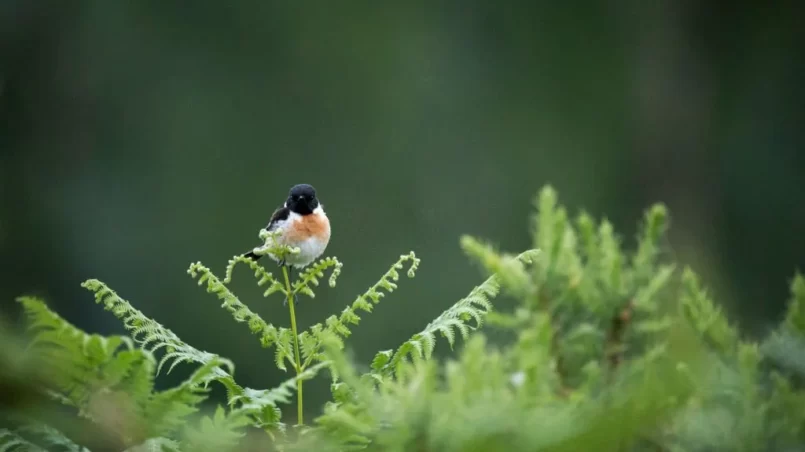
338, 326
269, 334
474, 307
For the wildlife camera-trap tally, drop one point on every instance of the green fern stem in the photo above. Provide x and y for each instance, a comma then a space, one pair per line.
298, 366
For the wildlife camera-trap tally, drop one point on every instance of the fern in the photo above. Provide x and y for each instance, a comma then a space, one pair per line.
155, 445
608, 346
149, 334
312, 274
93, 374
221, 432
87, 367
258, 399
508, 270
300, 350
389, 365
31, 435
12, 442
473, 307
795, 315
337, 327
152, 336
111, 383
269, 334
263, 277
281, 338
705, 315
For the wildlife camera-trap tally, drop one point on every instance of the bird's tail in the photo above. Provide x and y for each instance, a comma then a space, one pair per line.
252, 256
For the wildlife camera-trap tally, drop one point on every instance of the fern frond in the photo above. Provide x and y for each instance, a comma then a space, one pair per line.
263, 277
373, 295
256, 408
30, 434
269, 334
252, 399
273, 246
338, 326
645, 299
474, 307
178, 402
92, 372
544, 219
152, 336
785, 348
611, 265
218, 433
795, 314
84, 365
148, 333
167, 410
509, 269
654, 227
284, 349
309, 344
12, 442
155, 445
50, 438
313, 273
551, 232
705, 316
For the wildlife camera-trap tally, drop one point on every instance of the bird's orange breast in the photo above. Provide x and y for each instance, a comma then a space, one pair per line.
310, 226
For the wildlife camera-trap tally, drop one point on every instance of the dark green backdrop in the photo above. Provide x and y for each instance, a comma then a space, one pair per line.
138, 137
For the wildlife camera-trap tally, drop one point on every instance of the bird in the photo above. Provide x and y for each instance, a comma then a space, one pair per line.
301, 223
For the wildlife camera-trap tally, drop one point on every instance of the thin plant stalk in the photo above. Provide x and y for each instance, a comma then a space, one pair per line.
298, 365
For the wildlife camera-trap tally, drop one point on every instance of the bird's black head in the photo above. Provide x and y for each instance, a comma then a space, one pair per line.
302, 199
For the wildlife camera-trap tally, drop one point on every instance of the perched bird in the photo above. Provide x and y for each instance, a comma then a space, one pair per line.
301, 223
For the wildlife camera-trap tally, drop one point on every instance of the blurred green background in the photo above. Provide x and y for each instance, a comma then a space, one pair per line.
138, 137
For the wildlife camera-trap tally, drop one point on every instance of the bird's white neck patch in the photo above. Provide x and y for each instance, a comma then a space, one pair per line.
317, 211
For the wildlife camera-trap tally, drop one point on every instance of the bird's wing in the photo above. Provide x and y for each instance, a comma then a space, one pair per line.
280, 214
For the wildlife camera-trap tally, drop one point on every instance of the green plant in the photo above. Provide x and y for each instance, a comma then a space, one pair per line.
95, 374
607, 350
604, 348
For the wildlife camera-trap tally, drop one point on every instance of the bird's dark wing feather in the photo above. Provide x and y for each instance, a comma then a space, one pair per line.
282, 213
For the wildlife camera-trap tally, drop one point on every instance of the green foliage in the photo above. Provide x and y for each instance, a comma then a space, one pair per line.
153, 337
110, 380
474, 307
269, 335
607, 349
112, 383
795, 317
11, 442
604, 346
36, 437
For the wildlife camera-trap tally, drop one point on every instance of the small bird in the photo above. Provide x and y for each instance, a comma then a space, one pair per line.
301, 223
